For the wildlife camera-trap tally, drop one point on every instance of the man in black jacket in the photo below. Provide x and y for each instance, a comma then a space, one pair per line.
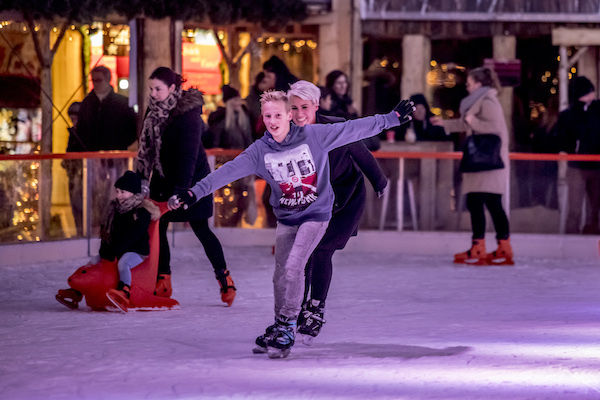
346, 164
106, 122
578, 131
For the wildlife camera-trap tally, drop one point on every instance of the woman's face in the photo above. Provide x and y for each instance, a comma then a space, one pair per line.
268, 82
236, 103
420, 113
123, 195
340, 86
472, 84
159, 90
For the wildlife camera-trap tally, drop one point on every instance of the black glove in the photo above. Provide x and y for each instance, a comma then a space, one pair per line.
187, 197
404, 109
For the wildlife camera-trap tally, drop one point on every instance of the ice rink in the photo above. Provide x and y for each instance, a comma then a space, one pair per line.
398, 327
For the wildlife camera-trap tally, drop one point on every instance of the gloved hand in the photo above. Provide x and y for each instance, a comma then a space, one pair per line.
187, 197
381, 193
173, 203
404, 109
145, 188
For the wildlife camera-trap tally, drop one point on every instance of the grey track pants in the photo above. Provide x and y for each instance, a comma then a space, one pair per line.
293, 246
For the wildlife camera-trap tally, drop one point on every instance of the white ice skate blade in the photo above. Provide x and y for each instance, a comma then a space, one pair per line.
259, 350
116, 304
273, 352
306, 340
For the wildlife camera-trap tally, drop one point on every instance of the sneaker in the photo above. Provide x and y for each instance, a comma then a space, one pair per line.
281, 341
312, 320
261, 341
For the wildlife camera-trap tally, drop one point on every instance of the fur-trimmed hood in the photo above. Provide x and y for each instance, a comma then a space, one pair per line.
152, 209
190, 99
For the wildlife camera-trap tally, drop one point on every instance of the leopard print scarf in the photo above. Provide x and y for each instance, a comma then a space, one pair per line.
148, 158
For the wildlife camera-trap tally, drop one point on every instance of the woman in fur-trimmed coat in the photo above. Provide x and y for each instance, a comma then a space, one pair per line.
172, 158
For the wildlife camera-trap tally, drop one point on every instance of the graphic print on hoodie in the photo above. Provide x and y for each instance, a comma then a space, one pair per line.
295, 172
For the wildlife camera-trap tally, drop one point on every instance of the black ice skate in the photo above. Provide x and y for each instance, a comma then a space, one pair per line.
311, 320
281, 341
261, 341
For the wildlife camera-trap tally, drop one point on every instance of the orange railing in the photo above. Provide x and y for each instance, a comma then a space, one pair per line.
424, 221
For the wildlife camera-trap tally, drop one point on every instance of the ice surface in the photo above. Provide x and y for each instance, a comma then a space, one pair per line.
398, 327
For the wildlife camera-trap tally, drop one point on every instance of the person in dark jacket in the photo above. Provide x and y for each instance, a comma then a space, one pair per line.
74, 168
229, 127
578, 131
420, 128
171, 156
347, 165
105, 122
262, 83
124, 237
341, 102
276, 70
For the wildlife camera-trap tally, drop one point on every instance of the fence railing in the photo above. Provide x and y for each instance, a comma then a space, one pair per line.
424, 194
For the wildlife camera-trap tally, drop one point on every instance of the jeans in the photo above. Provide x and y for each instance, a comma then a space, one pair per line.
126, 263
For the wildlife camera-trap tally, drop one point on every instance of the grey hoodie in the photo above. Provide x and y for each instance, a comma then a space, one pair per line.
297, 170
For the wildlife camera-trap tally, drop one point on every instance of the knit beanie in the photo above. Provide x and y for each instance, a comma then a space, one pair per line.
580, 86
229, 93
130, 181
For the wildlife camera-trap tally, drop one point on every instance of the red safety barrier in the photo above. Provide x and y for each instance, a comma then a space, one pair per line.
443, 155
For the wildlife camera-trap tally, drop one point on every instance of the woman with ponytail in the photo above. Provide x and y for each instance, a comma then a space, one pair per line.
171, 158
482, 113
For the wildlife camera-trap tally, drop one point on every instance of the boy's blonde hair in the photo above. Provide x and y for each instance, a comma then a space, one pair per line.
274, 95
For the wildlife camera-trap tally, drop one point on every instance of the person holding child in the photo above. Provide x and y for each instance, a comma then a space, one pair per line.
294, 161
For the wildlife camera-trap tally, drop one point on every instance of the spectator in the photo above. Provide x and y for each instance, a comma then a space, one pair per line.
229, 128
106, 122
73, 168
578, 130
262, 83
275, 69
420, 128
341, 102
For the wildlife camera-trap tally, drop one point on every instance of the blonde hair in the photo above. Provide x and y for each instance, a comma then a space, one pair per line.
305, 91
272, 96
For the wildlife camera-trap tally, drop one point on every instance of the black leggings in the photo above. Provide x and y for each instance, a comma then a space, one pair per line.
475, 204
209, 241
319, 270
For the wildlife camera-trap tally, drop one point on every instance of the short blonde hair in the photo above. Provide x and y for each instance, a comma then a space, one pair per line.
274, 95
305, 91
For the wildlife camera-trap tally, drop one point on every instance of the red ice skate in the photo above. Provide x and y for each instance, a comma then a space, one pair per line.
227, 288
503, 255
476, 255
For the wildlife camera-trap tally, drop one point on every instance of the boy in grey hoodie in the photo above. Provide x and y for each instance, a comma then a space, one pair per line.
294, 161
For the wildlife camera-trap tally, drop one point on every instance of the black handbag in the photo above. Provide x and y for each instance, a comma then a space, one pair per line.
481, 153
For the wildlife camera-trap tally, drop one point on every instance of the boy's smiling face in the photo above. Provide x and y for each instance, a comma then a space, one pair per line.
277, 117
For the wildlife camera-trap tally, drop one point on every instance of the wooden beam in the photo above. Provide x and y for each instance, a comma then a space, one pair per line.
575, 37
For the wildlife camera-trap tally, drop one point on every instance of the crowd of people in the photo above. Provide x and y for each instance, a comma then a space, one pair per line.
313, 151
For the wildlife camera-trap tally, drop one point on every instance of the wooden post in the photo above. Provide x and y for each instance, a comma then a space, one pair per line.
416, 55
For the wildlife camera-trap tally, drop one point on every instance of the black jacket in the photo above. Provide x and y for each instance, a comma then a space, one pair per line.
347, 165
183, 158
578, 132
128, 233
109, 124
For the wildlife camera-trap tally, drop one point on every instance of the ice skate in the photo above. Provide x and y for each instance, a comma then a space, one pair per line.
280, 343
163, 286
227, 287
503, 255
261, 341
119, 297
476, 255
69, 298
311, 321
